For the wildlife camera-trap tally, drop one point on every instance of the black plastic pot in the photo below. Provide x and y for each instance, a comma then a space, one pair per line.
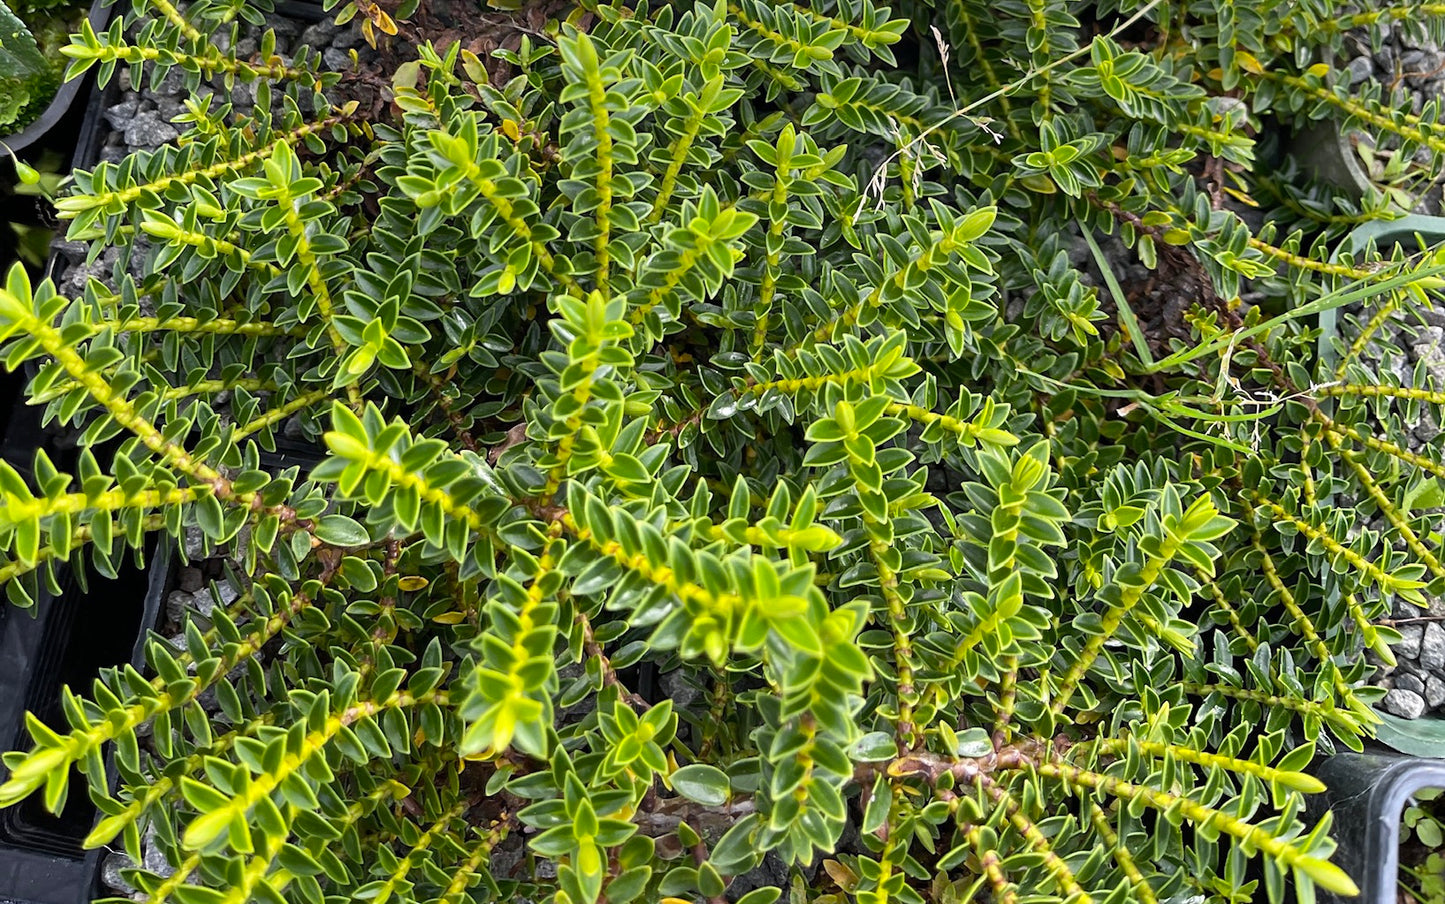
1385, 234
292, 453
65, 640
301, 10
1368, 793
100, 15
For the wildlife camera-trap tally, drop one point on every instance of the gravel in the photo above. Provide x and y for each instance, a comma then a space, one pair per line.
682, 691
143, 119
153, 859
1412, 683
110, 873
190, 579
1432, 648
1403, 703
1411, 637
200, 601
1417, 682
1434, 691
1411, 71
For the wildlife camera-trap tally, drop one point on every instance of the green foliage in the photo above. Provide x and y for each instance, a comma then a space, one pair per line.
747, 344
1421, 823
27, 79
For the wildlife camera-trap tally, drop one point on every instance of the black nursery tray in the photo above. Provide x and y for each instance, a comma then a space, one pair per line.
98, 623
1368, 793
64, 640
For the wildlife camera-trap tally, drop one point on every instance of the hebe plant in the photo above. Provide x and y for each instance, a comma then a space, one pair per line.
720, 343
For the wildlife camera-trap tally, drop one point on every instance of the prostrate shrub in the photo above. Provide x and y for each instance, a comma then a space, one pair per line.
718, 344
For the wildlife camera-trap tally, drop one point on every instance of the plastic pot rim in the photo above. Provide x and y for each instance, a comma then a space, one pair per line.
100, 15
1392, 779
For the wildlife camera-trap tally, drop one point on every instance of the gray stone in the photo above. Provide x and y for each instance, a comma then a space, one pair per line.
174, 84
168, 108
1405, 704
319, 35
81, 271
1409, 645
336, 60
1427, 428
772, 872
206, 600
70, 248
120, 115
1408, 682
1435, 691
243, 96
152, 857
349, 37
1432, 648
110, 875
683, 692
1399, 365
1360, 69
148, 130
283, 27
1421, 66
1434, 363
176, 605
241, 544
190, 579
509, 856
1427, 342
1429, 203
1385, 62
195, 544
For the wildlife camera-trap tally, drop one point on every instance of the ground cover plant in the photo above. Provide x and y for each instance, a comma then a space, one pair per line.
1423, 866
745, 350
31, 67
